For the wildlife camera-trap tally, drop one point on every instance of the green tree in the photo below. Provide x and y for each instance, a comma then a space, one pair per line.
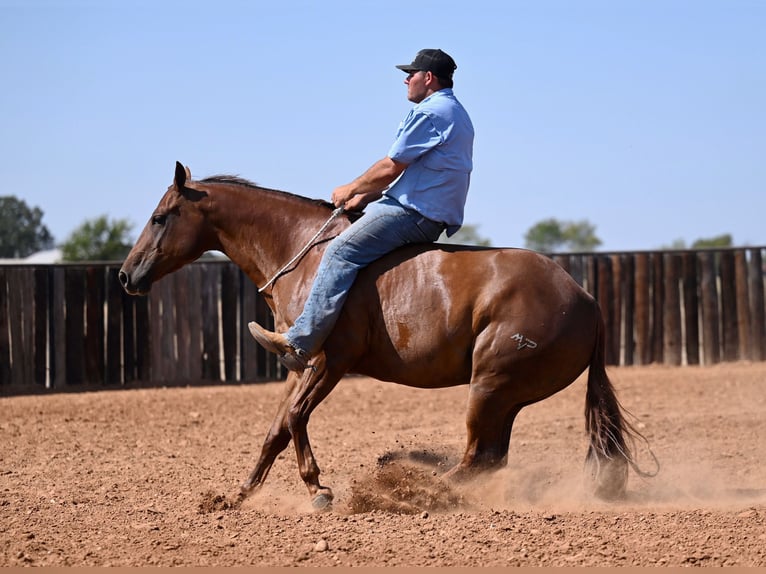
551, 235
676, 245
467, 235
98, 239
22, 232
546, 236
724, 240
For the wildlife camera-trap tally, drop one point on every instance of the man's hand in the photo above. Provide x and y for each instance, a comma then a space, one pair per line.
342, 194
369, 186
359, 202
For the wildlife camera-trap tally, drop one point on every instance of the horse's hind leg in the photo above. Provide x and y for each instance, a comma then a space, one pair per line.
489, 422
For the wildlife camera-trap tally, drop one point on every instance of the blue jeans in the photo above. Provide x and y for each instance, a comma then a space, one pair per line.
385, 225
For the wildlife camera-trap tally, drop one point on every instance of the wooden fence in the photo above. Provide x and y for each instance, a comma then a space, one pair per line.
73, 327
677, 307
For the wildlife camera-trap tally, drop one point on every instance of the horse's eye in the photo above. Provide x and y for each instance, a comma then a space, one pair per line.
159, 219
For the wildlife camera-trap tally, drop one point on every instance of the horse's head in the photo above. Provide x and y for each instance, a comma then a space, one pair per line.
176, 234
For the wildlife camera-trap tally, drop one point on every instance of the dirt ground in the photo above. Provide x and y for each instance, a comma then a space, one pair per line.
145, 477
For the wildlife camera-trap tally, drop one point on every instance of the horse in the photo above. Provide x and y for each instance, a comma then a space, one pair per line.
510, 323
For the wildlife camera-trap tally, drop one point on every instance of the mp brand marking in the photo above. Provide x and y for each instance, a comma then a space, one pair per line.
523, 341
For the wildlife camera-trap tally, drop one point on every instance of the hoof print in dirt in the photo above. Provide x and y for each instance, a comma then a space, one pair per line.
403, 488
212, 502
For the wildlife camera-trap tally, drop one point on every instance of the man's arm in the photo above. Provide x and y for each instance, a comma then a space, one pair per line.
369, 186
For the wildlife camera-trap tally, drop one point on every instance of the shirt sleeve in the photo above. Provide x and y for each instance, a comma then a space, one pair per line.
417, 136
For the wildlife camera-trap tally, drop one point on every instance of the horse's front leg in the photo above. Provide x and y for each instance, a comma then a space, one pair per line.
313, 390
276, 441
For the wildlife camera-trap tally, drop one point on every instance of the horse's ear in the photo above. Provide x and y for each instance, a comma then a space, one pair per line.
182, 174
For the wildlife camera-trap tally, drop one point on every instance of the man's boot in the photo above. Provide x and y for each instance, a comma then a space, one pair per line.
292, 358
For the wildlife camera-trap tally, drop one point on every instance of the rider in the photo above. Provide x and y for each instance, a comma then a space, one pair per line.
432, 159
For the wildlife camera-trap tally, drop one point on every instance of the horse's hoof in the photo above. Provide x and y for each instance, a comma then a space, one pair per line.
322, 501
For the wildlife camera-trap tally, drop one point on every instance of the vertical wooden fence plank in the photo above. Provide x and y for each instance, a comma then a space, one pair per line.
28, 340
119, 344
710, 315
563, 260
74, 293
728, 289
143, 336
658, 305
617, 303
5, 329
671, 328
691, 308
755, 278
743, 304
94, 324
20, 303
41, 302
605, 290
156, 319
251, 353
168, 341
628, 270
74, 278
643, 309
590, 269
58, 329
211, 353
185, 309
197, 319
575, 263
229, 325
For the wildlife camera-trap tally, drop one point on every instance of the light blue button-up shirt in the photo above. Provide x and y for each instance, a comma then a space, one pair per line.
436, 141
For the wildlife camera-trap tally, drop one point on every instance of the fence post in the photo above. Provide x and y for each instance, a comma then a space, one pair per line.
230, 297
643, 309
605, 294
628, 270
743, 304
672, 338
5, 338
691, 308
710, 317
658, 306
211, 353
757, 305
729, 331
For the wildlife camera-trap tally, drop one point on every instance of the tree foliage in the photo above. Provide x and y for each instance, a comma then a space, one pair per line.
468, 234
724, 240
551, 235
98, 239
22, 232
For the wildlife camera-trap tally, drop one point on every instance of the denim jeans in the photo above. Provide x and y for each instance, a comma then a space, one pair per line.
385, 225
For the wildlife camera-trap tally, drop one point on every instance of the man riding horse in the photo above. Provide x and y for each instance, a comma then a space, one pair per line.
432, 159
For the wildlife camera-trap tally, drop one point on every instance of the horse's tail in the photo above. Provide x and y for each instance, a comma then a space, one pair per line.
609, 453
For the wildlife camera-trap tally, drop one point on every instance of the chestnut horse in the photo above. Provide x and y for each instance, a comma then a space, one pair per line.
510, 323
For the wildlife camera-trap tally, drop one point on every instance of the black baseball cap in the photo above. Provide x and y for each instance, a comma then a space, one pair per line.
435, 61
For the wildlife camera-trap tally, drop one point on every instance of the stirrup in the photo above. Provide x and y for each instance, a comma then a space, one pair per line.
297, 360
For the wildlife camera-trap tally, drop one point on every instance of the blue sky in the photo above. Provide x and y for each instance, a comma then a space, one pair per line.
645, 118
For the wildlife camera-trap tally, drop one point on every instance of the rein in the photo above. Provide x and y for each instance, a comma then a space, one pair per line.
338, 211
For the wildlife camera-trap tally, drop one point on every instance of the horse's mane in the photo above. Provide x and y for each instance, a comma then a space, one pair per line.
236, 180
229, 179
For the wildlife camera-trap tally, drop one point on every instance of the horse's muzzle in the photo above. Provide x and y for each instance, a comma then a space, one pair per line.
131, 287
